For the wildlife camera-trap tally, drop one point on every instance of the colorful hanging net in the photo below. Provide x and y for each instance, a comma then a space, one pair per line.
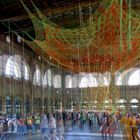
108, 43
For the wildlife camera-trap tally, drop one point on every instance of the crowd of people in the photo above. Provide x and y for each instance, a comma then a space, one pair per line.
106, 122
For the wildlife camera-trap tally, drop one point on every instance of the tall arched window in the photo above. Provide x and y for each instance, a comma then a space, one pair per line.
45, 82
68, 80
134, 79
49, 73
92, 82
25, 71
118, 79
57, 81
37, 77
123, 77
106, 83
22, 65
83, 83
12, 68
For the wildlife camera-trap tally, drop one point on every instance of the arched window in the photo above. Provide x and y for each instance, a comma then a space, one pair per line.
118, 79
49, 77
37, 77
134, 79
12, 68
106, 83
92, 82
123, 77
25, 71
88, 81
73, 82
45, 82
68, 80
57, 81
83, 83
22, 65
102, 81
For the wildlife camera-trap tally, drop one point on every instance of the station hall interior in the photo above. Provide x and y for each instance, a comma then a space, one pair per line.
75, 59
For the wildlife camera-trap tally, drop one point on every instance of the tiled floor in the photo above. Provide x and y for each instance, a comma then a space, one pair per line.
72, 133
67, 137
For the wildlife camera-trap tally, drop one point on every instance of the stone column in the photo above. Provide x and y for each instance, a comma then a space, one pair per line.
42, 100
31, 108
12, 104
3, 94
22, 97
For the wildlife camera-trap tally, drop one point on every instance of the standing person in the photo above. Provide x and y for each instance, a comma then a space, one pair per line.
127, 122
75, 118
81, 119
129, 127
138, 124
52, 127
1, 126
64, 117
4, 121
72, 118
30, 124
37, 122
10, 125
43, 126
60, 128
15, 125
94, 118
123, 127
135, 128
104, 127
112, 128
22, 126
52, 122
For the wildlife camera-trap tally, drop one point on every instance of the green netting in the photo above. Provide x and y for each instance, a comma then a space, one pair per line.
100, 44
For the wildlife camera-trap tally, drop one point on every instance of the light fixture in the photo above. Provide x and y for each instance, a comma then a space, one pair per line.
18, 39
50, 57
8, 39
39, 57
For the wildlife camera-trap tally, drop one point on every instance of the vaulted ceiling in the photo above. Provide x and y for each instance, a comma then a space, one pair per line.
63, 12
